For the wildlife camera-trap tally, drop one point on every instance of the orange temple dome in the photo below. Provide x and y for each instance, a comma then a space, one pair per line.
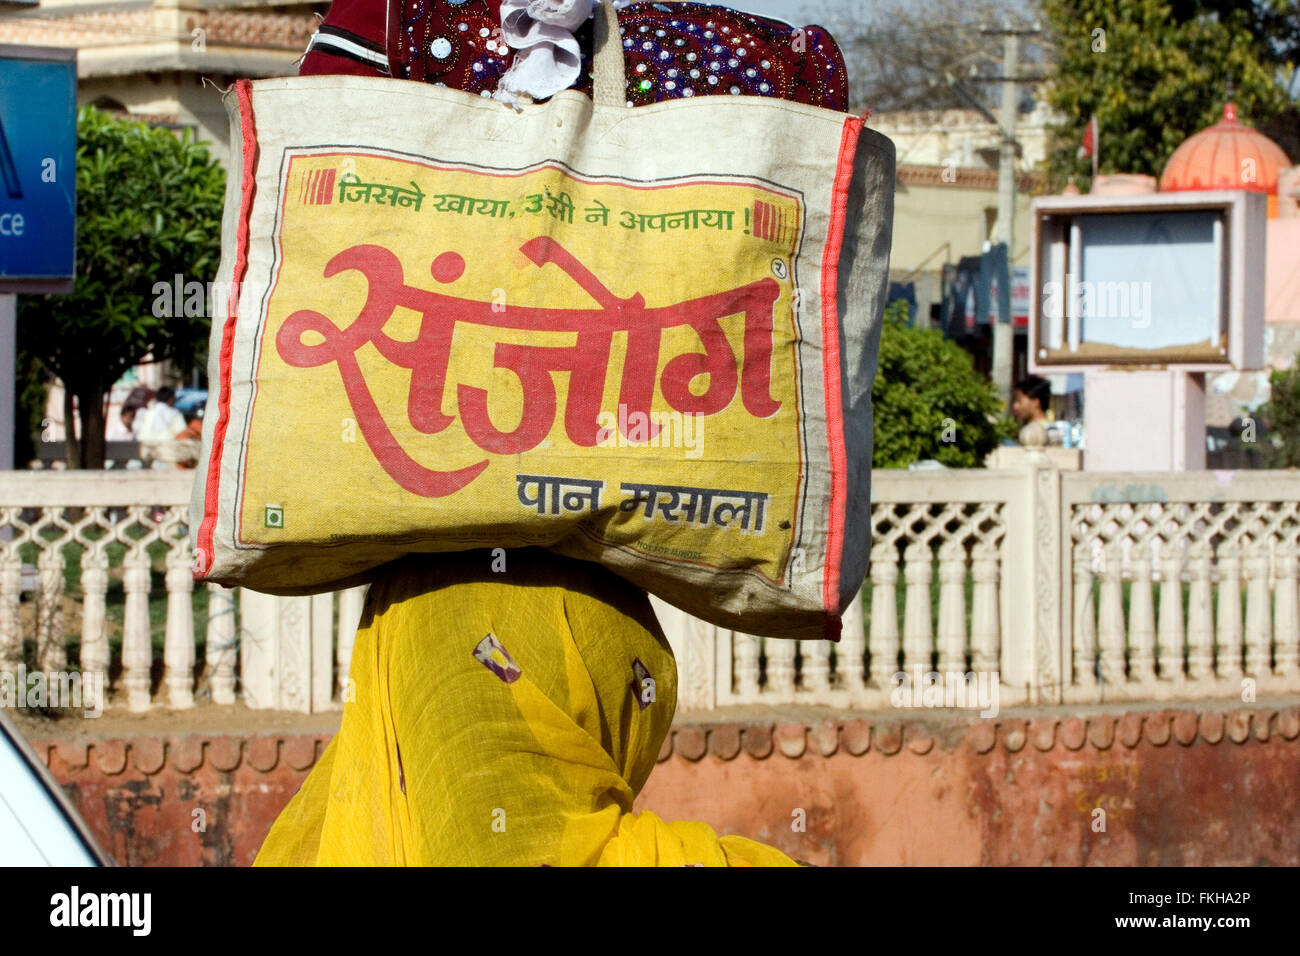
1227, 155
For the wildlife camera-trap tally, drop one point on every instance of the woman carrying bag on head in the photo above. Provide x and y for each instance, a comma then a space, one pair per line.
506, 707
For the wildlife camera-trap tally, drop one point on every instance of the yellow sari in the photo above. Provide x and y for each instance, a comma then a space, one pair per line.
499, 717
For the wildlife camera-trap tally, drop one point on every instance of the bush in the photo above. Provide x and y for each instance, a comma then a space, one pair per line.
1282, 414
929, 402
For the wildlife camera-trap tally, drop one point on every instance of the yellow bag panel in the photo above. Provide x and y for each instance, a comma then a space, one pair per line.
477, 355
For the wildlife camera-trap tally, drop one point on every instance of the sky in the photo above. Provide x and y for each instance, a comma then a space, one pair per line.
811, 11
791, 10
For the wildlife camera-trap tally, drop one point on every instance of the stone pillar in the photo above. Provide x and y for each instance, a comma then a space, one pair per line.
258, 633
1033, 651
693, 642
287, 651
221, 643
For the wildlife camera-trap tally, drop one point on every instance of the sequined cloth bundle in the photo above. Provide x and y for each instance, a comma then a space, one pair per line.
671, 50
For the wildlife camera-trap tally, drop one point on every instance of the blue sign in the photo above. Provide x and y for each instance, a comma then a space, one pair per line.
38, 156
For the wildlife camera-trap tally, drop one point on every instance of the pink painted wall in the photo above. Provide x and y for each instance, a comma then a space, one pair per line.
1178, 787
1282, 271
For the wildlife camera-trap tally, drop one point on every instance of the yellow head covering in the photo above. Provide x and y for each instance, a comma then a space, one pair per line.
503, 708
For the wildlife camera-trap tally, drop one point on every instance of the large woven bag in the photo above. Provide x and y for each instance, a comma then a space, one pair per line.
644, 337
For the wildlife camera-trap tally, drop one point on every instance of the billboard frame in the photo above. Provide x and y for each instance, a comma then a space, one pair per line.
1241, 266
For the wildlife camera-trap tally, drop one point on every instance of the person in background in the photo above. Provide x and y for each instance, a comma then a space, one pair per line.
158, 427
1029, 400
180, 448
190, 439
121, 428
136, 402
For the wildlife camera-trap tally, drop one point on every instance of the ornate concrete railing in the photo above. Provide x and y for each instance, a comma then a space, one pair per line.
1062, 587
1186, 546
281, 652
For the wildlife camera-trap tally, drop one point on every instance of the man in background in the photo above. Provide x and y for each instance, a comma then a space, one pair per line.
122, 427
190, 439
1030, 399
158, 428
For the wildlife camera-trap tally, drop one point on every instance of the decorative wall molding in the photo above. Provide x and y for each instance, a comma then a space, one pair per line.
911, 174
757, 740
191, 753
859, 736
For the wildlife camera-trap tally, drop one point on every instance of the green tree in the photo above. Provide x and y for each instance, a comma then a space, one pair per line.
1156, 71
148, 209
31, 383
929, 401
1282, 414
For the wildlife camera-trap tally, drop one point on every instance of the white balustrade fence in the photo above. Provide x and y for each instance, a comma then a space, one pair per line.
270, 652
1070, 587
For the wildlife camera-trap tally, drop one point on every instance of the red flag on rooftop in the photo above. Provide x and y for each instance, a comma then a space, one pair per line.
1089, 145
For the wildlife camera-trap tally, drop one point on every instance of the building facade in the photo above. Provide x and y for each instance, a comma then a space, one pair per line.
167, 61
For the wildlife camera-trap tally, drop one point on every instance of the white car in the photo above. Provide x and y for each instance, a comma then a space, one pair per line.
38, 826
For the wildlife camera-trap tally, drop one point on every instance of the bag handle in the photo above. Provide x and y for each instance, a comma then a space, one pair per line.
608, 79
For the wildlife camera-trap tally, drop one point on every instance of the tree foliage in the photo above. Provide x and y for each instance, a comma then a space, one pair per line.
1282, 414
929, 401
148, 209
31, 383
1156, 71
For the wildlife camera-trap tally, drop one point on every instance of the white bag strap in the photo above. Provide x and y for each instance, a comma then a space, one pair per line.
608, 79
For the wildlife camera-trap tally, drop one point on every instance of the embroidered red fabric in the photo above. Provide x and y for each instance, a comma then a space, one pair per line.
670, 51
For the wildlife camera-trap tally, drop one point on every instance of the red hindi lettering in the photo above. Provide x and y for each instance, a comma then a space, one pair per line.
586, 360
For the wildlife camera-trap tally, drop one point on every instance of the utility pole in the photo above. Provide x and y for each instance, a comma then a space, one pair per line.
1003, 334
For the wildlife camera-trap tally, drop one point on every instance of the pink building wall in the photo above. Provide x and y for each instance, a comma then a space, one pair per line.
1177, 787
